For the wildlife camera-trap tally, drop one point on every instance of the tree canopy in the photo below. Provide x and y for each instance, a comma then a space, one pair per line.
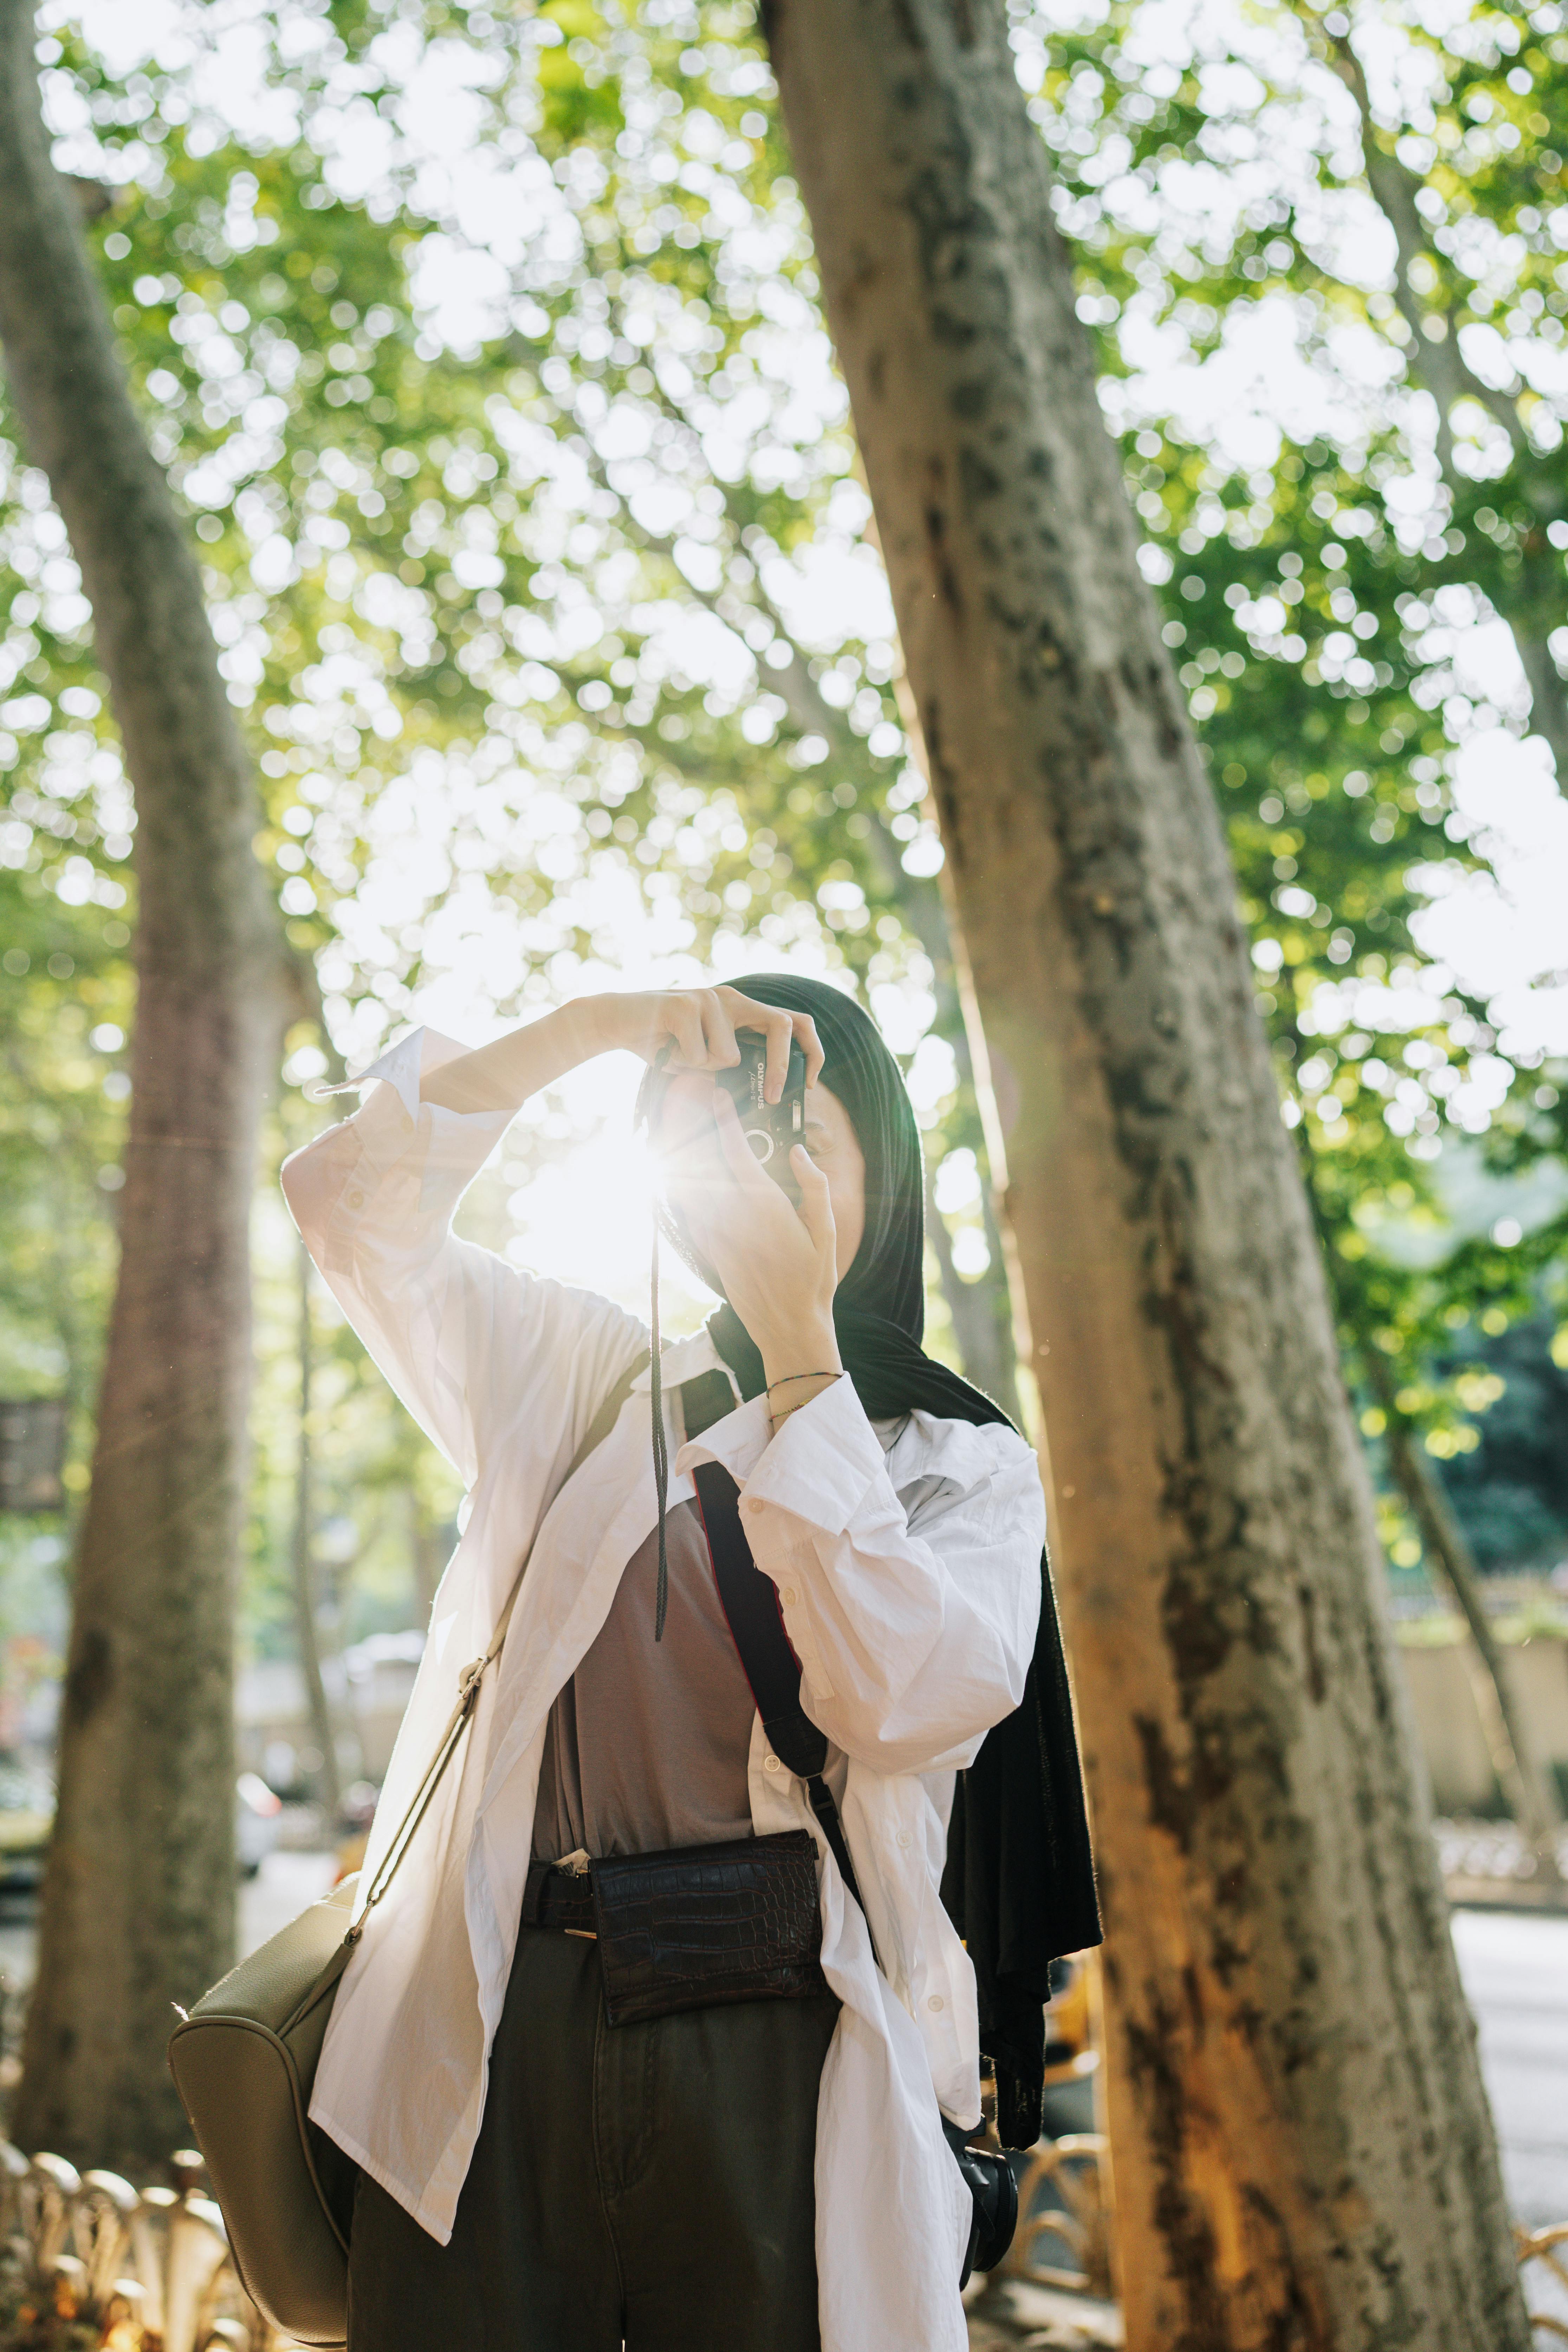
484, 350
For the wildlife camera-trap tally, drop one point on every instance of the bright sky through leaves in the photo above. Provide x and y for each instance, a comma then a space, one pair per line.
494, 210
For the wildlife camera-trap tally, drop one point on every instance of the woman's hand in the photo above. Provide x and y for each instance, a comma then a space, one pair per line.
699, 1024
778, 1266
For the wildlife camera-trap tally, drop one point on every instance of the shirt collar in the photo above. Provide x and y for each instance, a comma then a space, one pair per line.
682, 1359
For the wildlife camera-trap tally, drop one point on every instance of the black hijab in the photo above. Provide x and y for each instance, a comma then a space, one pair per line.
1019, 1880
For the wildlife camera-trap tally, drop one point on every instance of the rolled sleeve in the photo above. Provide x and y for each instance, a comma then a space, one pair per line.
392, 1175
737, 1443
823, 1459
913, 1630
469, 1342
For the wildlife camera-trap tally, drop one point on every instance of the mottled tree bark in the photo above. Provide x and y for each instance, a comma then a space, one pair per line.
139, 1900
1303, 2152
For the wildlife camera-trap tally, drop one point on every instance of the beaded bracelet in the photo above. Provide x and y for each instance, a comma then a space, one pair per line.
779, 1412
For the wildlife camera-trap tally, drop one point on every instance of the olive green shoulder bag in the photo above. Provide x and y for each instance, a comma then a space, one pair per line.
245, 2059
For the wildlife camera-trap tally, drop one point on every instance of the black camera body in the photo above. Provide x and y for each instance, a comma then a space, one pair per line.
771, 1129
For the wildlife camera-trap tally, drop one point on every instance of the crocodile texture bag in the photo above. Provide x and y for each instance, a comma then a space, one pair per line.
701, 1925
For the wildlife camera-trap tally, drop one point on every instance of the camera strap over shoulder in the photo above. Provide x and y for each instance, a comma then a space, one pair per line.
751, 1603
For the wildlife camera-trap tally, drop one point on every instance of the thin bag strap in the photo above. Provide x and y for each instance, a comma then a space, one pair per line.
472, 1676
751, 1603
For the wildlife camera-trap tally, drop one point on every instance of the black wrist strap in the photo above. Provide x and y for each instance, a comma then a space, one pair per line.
751, 1603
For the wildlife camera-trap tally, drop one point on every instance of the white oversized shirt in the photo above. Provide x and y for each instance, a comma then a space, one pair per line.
909, 1579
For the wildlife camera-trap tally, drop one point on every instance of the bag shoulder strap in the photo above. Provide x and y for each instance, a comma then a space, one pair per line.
472, 1676
751, 1603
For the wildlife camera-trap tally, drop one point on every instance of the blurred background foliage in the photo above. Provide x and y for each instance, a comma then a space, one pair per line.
483, 345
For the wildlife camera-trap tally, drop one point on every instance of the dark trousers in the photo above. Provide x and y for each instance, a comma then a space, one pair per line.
645, 2185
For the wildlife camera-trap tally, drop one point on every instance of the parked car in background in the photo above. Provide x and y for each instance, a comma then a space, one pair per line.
27, 1821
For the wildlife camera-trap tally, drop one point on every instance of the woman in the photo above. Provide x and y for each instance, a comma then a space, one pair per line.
769, 2176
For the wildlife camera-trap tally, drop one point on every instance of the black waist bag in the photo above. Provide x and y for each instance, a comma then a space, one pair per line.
751, 1604
702, 1924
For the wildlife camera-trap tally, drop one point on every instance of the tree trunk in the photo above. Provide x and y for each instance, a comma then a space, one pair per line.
139, 1900
1303, 2152
329, 1786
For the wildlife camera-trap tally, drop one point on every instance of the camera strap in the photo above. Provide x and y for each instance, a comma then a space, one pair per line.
656, 1387
661, 1446
751, 1603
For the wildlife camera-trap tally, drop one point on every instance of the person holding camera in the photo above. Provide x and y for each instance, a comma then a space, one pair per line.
665, 2036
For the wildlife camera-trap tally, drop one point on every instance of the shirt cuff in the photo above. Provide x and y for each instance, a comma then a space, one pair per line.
403, 1068
455, 1145
737, 1444
823, 1457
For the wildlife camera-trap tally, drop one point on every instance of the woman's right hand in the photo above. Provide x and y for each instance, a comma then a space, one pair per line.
700, 1026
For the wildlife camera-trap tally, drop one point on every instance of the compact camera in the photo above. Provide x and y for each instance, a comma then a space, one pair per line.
771, 1129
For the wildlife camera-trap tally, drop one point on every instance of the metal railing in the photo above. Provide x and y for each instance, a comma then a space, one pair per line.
85, 2260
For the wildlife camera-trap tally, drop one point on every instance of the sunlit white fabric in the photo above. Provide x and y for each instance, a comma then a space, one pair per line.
908, 1566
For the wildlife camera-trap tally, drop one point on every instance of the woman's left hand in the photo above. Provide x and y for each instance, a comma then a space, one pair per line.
779, 1266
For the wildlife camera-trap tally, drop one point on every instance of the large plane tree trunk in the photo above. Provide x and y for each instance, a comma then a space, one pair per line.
139, 1899
1302, 2148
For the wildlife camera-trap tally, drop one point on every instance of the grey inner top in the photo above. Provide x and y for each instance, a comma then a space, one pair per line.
647, 1745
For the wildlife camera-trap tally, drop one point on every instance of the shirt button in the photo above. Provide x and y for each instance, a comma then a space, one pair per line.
356, 1199
936, 2003
789, 1594
753, 1502
904, 1838
771, 1764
